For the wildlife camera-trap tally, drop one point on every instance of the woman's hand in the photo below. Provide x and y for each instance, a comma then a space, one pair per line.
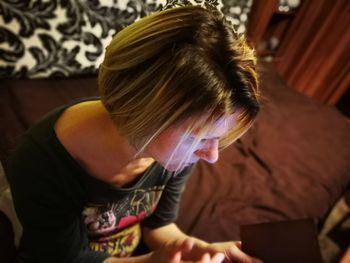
172, 252
232, 251
180, 247
177, 251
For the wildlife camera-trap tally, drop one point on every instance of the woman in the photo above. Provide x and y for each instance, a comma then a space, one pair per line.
94, 178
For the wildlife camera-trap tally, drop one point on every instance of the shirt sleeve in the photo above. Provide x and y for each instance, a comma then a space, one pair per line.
52, 227
167, 208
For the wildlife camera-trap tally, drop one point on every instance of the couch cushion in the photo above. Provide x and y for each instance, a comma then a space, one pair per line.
67, 38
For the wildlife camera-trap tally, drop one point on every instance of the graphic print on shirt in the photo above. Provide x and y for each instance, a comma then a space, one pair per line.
114, 227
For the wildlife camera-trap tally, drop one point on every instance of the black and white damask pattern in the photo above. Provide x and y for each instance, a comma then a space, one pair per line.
61, 38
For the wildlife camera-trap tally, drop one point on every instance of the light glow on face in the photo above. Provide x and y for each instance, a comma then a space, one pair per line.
184, 144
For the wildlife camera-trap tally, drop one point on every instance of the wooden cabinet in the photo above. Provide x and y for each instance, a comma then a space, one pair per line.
313, 51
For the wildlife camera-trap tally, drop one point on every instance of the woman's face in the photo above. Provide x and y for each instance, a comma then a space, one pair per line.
173, 148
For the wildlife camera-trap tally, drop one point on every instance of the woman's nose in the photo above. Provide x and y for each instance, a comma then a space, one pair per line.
209, 152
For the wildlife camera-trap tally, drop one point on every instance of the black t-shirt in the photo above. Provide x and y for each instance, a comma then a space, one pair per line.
69, 216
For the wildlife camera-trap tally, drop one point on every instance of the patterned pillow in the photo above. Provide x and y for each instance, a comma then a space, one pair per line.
65, 38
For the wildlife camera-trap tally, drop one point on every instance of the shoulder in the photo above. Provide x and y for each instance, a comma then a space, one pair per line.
80, 125
88, 133
84, 116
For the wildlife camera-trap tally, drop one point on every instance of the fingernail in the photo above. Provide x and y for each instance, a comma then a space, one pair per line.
221, 257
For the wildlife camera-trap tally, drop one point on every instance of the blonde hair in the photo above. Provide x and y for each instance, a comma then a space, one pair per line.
176, 64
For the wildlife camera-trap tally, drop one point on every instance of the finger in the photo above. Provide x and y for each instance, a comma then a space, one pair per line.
218, 258
188, 244
175, 257
235, 254
238, 244
179, 247
205, 258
